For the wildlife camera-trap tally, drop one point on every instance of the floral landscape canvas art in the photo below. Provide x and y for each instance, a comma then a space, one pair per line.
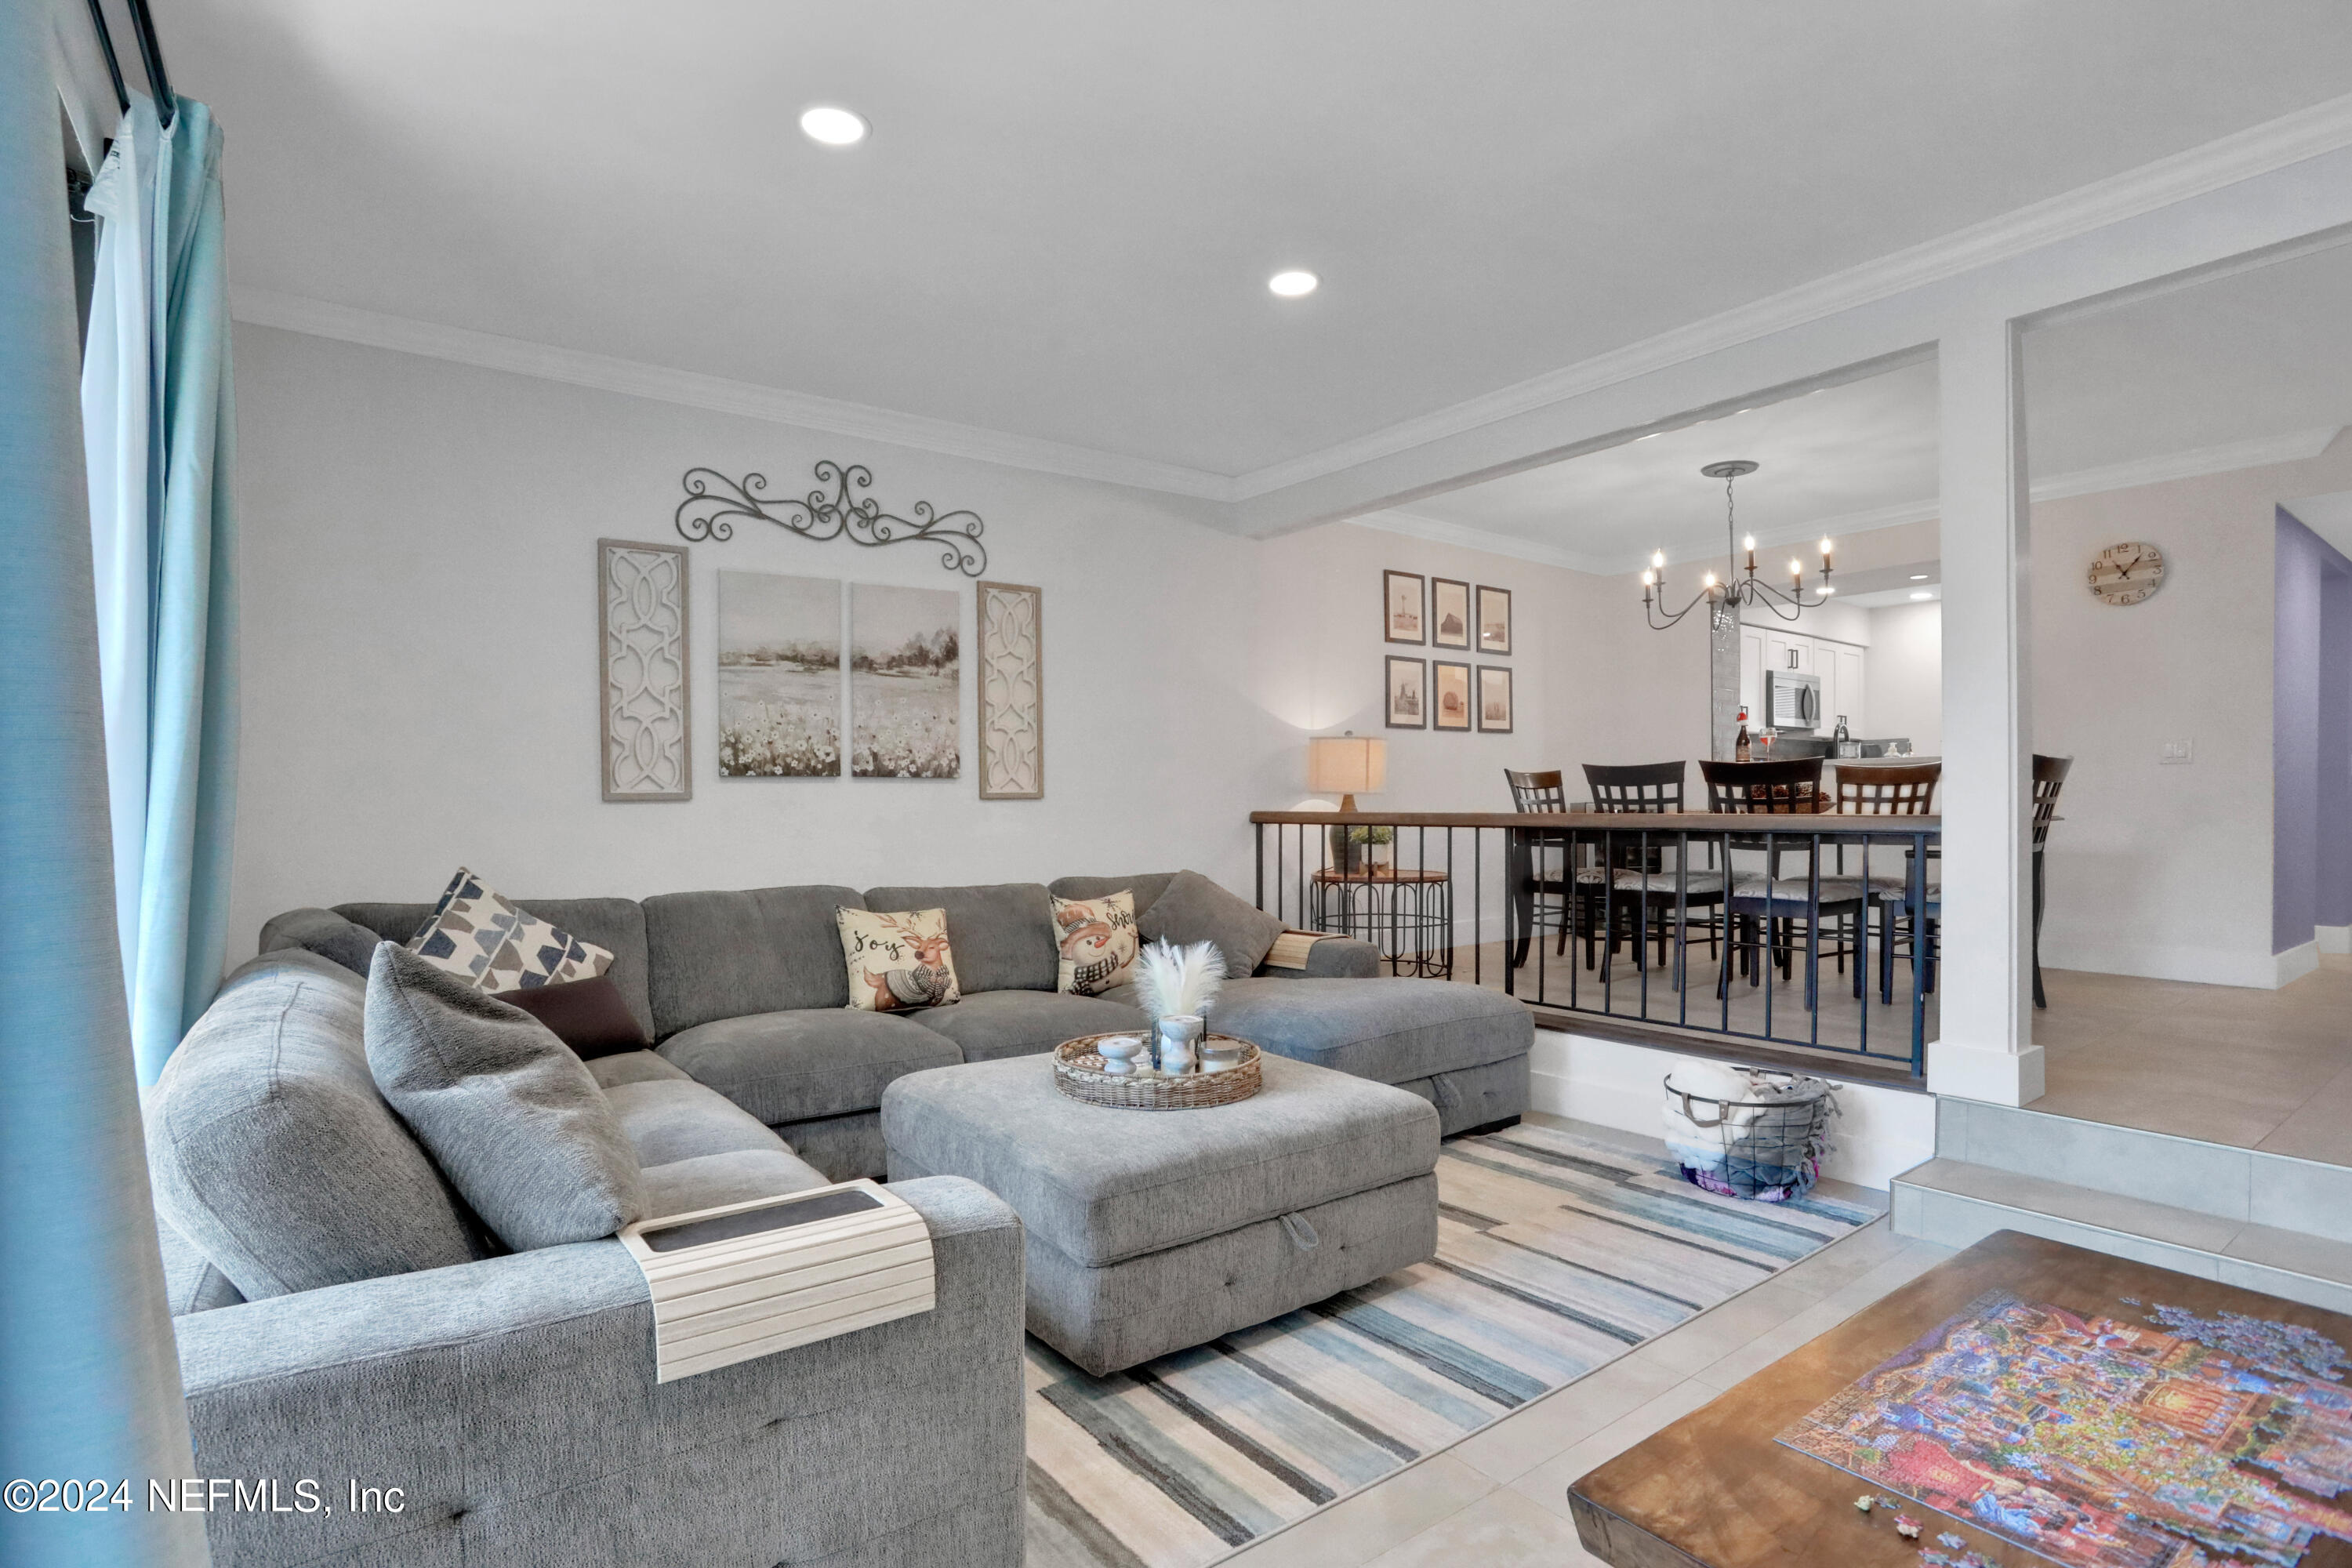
778, 675
2183, 1442
904, 682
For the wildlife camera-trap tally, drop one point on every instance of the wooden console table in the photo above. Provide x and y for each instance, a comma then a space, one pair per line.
1718, 1489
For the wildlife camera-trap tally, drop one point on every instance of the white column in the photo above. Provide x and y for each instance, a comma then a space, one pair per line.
1987, 1049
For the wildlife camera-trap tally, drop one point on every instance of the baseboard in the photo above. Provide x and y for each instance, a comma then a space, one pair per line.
2295, 964
2198, 966
2332, 938
1879, 1134
1994, 1074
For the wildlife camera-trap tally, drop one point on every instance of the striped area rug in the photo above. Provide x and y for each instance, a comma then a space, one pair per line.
1556, 1253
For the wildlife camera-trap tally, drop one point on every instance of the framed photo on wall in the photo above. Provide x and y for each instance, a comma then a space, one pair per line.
1401, 609
1449, 613
1494, 619
1408, 693
1450, 702
1494, 700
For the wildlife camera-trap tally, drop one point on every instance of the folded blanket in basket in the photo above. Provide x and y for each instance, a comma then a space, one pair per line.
1746, 1133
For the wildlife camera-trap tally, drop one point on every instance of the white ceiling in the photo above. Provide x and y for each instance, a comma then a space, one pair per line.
1063, 222
2249, 367
2328, 516
1858, 455
2253, 353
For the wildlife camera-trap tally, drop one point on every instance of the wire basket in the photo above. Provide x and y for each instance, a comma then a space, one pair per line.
1763, 1141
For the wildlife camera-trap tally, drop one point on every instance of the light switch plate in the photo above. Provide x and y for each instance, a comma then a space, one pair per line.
2176, 751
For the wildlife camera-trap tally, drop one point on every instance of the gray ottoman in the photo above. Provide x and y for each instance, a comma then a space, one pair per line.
1150, 1231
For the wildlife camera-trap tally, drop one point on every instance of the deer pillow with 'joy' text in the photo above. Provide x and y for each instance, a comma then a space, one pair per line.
898, 962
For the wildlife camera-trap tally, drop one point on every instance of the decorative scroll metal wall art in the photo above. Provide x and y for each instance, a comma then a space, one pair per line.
642, 636
1011, 693
830, 511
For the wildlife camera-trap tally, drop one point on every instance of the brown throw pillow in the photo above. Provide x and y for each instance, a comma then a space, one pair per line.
590, 1016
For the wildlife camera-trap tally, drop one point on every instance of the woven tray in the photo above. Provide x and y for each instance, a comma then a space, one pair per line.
1078, 1072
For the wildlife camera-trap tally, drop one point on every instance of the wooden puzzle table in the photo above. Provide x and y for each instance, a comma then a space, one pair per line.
2023, 1402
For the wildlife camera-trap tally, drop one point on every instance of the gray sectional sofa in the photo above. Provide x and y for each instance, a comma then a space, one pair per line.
746, 992
340, 1314
342, 1319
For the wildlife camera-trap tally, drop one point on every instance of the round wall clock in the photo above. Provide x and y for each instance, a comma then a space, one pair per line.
2127, 573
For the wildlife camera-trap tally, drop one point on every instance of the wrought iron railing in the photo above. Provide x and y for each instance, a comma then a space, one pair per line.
1816, 931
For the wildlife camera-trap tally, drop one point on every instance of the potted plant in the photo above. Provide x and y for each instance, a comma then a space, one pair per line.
1355, 850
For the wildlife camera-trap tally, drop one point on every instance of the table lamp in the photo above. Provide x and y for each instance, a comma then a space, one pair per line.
1342, 765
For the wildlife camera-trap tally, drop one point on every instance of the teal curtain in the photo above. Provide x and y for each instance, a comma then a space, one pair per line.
159, 424
90, 1381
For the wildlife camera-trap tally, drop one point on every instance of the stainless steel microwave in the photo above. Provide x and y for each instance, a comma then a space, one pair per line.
1792, 700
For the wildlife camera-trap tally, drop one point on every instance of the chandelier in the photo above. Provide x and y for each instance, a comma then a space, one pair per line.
1722, 595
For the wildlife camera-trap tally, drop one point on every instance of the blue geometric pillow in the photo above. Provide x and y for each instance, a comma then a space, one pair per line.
478, 933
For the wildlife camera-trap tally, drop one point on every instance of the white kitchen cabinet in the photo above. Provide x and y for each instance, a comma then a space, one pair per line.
1839, 664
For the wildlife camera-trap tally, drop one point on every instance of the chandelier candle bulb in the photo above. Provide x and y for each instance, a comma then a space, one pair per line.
1751, 555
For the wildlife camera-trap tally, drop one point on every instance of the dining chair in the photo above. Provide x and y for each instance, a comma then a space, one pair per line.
1790, 787
1541, 868
1891, 790
1652, 789
2048, 778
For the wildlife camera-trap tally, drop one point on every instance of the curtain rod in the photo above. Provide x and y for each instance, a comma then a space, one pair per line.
151, 58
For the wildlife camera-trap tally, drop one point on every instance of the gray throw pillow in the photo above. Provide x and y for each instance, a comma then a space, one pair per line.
514, 1119
324, 932
1195, 909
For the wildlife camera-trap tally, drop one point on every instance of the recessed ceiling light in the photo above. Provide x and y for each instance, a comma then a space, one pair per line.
828, 126
1918, 576
1923, 595
1295, 284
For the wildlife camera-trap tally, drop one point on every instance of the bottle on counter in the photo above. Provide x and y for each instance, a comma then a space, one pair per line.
1743, 749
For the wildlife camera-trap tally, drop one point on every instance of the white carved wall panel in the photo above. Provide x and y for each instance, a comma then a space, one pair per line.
1011, 693
641, 593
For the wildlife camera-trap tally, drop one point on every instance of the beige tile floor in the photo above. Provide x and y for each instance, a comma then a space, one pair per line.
1499, 1497
2257, 1069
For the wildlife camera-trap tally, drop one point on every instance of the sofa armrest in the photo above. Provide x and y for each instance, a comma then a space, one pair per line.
513, 1402
1333, 958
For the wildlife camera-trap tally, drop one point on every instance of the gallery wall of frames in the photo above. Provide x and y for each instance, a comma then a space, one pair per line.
1466, 694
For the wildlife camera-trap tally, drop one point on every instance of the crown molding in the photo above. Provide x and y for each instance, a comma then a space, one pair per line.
2298, 446
633, 378
1438, 530
2310, 133
2259, 150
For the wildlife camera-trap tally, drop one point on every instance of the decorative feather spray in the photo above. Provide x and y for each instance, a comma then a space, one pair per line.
1178, 982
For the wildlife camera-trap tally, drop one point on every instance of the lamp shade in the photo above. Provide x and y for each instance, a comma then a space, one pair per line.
1344, 764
